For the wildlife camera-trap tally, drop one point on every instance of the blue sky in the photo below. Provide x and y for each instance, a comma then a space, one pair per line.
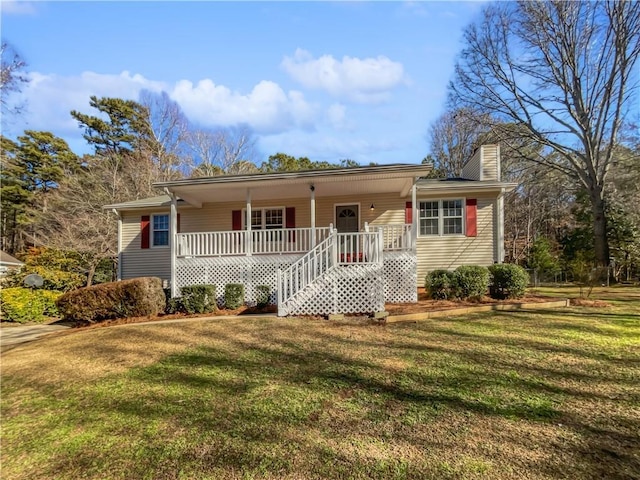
326, 80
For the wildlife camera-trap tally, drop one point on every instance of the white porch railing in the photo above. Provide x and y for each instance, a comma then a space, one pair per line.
339, 249
395, 237
236, 242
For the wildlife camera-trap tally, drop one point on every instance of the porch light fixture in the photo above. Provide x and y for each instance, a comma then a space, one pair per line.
373, 207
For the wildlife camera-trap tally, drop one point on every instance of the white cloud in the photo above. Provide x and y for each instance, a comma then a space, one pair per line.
414, 9
368, 80
50, 98
14, 7
337, 117
267, 108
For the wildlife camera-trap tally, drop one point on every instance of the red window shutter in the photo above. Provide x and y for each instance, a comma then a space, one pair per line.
178, 223
145, 231
290, 217
472, 217
290, 222
408, 212
236, 220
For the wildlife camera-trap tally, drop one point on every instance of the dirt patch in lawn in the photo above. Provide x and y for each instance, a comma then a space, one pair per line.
585, 302
427, 304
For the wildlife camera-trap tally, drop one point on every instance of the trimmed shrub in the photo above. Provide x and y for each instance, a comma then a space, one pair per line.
263, 295
508, 281
128, 298
440, 284
23, 305
472, 281
197, 299
233, 295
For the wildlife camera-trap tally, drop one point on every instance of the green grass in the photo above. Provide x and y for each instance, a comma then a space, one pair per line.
530, 394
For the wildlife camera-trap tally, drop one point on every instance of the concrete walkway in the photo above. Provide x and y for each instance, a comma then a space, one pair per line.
13, 335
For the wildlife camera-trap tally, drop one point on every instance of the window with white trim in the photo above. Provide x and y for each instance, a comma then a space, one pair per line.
160, 230
441, 217
267, 218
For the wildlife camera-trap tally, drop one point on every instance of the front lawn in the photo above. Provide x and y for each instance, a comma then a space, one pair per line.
522, 395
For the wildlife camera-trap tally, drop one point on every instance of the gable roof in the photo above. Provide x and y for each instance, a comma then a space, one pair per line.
458, 186
150, 202
281, 185
300, 175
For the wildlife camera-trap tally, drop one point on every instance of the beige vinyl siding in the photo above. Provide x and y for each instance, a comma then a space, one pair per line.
138, 262
451, 251
433, 252
489, 162
484, 164
216, 217
155, 261
471, 169
389, 208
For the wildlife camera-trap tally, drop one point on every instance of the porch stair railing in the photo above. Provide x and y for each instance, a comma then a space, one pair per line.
337, 250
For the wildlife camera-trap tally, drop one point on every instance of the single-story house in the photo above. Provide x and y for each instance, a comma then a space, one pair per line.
324, 241
8, 262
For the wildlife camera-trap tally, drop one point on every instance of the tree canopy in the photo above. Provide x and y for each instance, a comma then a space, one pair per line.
563, 71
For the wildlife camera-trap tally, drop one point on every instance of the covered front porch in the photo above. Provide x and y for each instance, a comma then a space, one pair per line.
344, 240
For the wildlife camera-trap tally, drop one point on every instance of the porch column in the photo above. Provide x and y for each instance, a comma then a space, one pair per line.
414, 215
313, 216
247, 240
173, 234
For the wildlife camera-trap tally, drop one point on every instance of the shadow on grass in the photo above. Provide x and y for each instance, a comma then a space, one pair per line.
269, 400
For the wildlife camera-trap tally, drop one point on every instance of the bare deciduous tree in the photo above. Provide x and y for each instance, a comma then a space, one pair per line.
453, 137
170, 128
564, 72
222, 148
12, 78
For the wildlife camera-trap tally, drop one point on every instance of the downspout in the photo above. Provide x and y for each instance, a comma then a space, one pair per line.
119, 270
173, 234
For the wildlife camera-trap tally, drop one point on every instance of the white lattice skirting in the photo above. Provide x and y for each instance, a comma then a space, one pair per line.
357, 288
400, 277
219, 271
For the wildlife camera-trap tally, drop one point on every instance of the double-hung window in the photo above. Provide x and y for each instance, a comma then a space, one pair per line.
267, 218
441, 217
160, 230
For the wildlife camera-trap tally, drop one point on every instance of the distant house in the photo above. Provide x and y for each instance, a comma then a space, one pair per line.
324, 241
7, 262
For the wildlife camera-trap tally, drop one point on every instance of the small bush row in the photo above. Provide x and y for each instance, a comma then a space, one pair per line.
21, 305
202, 298
127, 298
501, 281
193, 299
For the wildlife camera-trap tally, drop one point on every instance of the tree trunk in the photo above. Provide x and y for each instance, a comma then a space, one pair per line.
600, 241
91, 273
